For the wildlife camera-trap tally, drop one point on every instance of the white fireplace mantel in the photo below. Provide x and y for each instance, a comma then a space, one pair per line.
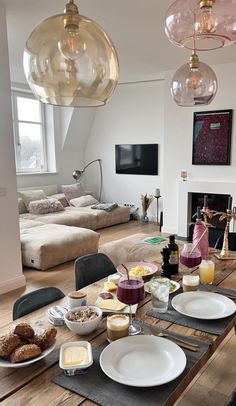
186, 187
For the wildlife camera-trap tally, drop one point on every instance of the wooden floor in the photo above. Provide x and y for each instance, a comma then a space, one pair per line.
211, 387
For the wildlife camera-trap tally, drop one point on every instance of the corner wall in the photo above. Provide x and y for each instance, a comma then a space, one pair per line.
11, 276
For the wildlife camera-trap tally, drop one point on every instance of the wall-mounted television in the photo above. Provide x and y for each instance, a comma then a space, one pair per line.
137, 159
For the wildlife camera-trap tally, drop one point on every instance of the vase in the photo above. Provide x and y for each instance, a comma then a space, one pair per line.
144, 217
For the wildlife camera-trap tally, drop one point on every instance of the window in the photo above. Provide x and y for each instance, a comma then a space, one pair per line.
29, 133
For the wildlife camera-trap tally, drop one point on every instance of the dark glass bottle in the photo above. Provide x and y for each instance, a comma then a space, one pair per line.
166, 268
174, 255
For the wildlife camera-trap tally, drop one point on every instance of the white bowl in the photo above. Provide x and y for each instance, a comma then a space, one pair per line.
86, 327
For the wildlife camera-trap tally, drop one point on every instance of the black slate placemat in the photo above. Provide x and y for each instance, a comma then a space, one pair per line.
96, 386
209, 326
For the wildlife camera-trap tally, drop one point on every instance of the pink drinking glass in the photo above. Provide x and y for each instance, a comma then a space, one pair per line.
131, 291
190, 256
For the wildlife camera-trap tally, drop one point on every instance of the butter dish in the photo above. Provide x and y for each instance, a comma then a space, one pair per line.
75, 357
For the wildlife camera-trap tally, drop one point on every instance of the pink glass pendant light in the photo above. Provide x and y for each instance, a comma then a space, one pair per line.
212, 22
194, 83
69, 60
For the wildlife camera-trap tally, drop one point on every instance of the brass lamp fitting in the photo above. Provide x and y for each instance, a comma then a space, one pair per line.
206, 3
194, 61
72, 12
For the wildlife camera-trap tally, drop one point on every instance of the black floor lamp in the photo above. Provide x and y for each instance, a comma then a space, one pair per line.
77, 173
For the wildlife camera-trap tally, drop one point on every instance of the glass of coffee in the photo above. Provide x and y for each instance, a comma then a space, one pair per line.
117, 326
190, 283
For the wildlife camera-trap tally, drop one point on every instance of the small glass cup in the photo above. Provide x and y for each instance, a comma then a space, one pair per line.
117, 326
190, 283
207, 271
160, 288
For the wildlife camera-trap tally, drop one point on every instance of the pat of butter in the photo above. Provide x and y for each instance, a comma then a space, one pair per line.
110, 286
75, 355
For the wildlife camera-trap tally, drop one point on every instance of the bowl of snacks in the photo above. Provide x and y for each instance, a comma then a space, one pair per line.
139, 269
83, 319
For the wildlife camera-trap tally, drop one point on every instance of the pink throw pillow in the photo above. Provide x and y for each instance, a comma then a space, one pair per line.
72, 191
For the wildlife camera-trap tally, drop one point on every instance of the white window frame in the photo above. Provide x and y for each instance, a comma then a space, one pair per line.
16, 121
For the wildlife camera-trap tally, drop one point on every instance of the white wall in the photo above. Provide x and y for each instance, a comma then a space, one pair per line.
71, 128
11, 276
178, 143
134, 115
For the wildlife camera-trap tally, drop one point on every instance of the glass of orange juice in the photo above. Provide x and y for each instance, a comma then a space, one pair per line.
207, 271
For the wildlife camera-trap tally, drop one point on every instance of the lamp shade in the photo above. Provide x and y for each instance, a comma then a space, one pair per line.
71, 67
212, 23
194, 86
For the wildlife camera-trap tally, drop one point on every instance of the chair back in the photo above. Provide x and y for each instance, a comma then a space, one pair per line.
35, 300
231, 239
92, 267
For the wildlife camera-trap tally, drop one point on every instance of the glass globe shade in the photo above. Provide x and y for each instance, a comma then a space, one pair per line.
69, 67
211, 27
194, 87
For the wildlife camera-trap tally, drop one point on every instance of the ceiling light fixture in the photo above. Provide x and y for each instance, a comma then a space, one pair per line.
69, 60
214, 22
194, 83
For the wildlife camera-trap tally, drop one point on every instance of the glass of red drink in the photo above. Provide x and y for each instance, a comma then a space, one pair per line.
190, 256
131, 291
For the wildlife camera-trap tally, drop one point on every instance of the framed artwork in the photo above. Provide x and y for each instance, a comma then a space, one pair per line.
212, 137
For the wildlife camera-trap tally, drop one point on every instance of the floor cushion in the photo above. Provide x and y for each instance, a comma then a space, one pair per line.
132, 248
51, 244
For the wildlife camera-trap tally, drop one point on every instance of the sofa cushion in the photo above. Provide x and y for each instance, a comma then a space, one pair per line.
71, 216
45, 206
21, 206
72, 191
25, 223
31, 195
49, 245
83, 201
62, 199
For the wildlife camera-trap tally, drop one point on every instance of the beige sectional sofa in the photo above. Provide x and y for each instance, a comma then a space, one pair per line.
54, 238
82, 217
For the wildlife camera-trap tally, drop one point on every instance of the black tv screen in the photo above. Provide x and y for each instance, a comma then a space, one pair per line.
137, 159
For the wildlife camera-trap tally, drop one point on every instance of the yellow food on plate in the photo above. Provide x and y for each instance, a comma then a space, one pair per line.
138, 271
110, 286
111, 304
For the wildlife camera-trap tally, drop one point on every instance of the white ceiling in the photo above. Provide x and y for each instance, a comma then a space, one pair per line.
135, 26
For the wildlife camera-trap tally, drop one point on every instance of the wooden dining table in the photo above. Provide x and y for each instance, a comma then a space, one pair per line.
32, 385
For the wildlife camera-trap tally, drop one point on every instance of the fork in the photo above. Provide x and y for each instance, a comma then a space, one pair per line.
181, 342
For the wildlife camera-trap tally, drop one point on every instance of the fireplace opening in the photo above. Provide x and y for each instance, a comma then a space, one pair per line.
218, 202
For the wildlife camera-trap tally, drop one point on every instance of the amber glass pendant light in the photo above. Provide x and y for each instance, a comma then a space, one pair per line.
194, 83
214, 22
69, 60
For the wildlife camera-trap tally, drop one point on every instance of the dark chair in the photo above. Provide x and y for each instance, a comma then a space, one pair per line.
35, 300
92, 267
232, 241
232, 401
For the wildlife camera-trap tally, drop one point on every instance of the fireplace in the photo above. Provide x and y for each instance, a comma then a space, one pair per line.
217, 202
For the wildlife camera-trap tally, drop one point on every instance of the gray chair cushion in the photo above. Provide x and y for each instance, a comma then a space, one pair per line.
92, 267
35, 300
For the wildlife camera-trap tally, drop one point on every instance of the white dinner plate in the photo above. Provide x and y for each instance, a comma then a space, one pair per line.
173, 286
45, 353
203, 305
143, 361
